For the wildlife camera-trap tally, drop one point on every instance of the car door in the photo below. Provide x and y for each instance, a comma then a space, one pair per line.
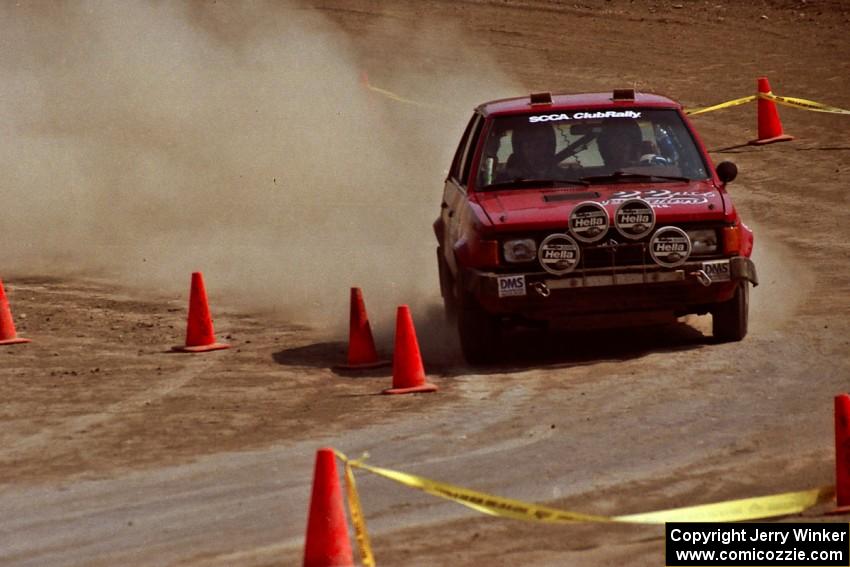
455, 190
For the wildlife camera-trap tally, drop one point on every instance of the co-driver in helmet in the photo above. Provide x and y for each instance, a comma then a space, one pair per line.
533, 154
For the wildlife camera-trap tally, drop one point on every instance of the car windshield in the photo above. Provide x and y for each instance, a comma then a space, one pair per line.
589, 146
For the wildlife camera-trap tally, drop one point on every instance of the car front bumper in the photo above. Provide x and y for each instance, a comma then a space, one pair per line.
690, 288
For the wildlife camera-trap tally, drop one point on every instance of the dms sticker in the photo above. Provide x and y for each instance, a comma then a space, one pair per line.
559, 254
717, 270
634, 219
510, 286
670, 247
589, 221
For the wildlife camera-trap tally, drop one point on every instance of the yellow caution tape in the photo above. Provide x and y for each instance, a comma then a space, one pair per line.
803, 103
771, 506
482, 502
733, 510
785, 100
727, 104
395, 97
391, 95
357, 518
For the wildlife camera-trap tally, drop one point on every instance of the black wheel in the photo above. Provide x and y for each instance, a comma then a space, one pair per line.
480, 332
729, 319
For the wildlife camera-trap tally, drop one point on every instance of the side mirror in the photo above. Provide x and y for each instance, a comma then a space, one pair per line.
727, 171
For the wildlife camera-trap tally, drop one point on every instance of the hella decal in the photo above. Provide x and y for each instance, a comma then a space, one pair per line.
589, 222
634, 219
559, 254
670, 247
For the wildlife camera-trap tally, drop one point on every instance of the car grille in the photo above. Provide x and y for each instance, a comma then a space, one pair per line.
614, 253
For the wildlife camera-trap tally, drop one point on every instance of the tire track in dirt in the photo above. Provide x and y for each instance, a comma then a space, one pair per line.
77, 425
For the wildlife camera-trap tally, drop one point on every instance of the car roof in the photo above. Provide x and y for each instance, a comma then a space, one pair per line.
522, 104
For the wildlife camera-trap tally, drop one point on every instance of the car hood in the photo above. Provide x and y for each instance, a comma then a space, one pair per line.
530, 209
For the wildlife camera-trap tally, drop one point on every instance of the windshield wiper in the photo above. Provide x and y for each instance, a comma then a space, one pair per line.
535, 182
626, 175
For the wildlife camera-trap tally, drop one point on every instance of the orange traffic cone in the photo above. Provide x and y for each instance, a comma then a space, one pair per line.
200, 336
408, 372
770, 128
361, 346
842, 453
327, 543
8, 335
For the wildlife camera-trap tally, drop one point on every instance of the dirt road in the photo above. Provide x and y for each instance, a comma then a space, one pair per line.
115, 451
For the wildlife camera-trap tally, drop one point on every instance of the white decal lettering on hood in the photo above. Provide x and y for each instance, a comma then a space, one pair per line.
659, 198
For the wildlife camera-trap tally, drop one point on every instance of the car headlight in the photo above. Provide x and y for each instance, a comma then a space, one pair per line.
521, 250
703, 241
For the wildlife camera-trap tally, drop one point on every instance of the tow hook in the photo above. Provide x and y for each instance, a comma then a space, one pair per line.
703, 278
541, 288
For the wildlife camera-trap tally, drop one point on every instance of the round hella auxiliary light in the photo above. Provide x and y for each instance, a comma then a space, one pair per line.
559, 254
589, 222
670, 247
634, 219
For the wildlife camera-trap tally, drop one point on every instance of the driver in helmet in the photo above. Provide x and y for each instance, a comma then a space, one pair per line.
621, 145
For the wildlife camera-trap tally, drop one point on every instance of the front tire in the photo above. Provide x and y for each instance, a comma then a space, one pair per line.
729, 320
480, 332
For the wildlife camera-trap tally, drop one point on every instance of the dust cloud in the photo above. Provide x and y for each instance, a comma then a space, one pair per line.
781, 291
146, 140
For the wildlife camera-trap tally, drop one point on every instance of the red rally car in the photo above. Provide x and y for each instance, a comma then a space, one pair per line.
588, 210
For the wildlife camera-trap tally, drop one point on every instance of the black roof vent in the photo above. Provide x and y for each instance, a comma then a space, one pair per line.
541, 98
623, 94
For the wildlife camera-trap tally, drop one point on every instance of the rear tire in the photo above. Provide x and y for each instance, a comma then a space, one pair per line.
729, 320
480, 332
